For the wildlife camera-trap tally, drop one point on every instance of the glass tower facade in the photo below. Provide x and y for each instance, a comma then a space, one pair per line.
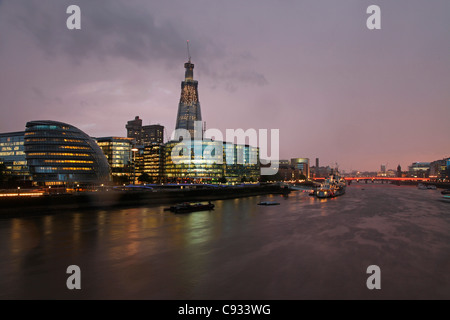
240, 163
60, 154
118, 152
12, 154
153, 162
189, 107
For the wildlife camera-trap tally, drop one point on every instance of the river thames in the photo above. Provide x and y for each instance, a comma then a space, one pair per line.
305, 248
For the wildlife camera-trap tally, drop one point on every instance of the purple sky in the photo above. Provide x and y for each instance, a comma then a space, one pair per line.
312, 69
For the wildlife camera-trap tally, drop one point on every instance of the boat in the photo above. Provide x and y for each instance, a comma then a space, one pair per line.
422, 186
445, 198
333, 186
268, 203
187, 207
447, 191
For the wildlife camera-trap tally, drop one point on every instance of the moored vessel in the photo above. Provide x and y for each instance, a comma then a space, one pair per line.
333, 186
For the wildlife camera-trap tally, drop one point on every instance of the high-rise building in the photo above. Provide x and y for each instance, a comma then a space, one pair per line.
144, 135
383, 168
134, 130
153, 133
189, 106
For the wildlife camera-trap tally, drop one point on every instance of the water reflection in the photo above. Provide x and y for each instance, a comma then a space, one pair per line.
246, 250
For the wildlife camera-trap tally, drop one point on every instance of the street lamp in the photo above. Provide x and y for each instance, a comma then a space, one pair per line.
134, 164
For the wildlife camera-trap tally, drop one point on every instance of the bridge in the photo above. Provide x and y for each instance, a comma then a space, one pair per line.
380, 179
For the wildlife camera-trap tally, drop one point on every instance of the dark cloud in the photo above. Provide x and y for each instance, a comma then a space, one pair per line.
114, 29
121, 30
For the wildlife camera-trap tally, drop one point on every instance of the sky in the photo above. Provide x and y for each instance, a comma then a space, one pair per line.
336, 90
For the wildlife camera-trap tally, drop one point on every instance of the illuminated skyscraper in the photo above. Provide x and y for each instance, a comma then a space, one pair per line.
189, 106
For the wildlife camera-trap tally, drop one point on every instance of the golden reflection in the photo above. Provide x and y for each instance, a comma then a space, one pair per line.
24, 236
101, 219
48, 225
76, 235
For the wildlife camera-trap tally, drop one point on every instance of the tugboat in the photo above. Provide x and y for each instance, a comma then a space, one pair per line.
187, 207
332, 187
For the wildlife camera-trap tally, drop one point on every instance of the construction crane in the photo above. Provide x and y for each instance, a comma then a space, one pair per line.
189, 54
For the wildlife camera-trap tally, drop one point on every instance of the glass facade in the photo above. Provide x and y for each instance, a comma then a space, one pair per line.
118, 152
189, 107
60, 154
238, 163
12, 154
419, 169
153, 162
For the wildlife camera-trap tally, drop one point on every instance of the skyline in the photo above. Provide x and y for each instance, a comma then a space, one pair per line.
336, 90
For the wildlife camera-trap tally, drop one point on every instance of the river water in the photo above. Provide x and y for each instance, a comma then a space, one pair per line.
305, 248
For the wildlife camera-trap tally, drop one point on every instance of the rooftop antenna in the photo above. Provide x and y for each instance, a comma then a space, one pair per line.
189, 55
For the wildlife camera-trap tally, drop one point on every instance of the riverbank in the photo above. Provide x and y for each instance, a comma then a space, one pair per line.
20, 206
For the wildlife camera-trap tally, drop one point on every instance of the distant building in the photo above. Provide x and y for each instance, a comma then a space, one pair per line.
302, 164
321, 172
118, 152
134, 130
399, 171
419, 169
439, 169
153, 133
144, 135
383, 168
12, 155
61, 154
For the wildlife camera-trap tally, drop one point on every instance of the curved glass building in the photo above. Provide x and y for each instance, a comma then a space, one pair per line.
58, 153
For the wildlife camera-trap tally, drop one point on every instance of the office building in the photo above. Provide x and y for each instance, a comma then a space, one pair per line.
144, 135
134, 130
240, 163
60, 154
153, 133
12, 155
153, 162
439, 169
118, 152
302, 164
419, 169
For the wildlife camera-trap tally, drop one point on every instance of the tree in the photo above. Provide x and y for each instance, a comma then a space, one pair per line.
145, 178
301, 177
244, 179
121, 179
223, 180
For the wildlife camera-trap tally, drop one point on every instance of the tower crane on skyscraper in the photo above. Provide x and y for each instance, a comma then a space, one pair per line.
189, 54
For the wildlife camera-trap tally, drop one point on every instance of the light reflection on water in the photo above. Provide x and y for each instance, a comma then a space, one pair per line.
304, 248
